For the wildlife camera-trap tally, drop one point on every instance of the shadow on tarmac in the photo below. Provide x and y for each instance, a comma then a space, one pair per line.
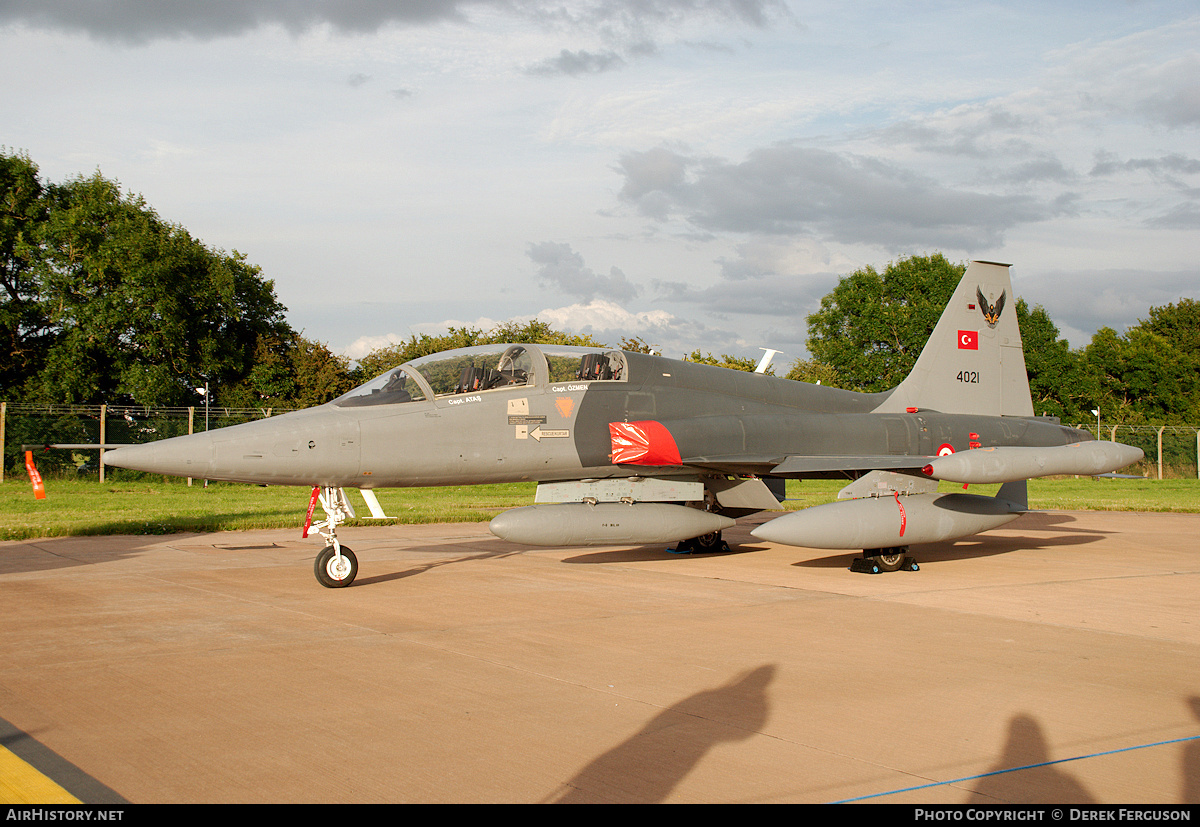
1027, 774
645, 768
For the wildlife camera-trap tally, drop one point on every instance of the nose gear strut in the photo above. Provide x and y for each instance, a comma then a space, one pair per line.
336, 566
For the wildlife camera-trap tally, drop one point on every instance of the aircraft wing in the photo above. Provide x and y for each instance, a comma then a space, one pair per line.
802, 466
806, 466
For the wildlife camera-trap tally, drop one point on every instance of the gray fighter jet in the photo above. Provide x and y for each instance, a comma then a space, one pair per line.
633, 449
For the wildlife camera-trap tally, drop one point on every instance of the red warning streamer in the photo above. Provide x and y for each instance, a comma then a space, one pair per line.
39, 490
903, 516
312, 503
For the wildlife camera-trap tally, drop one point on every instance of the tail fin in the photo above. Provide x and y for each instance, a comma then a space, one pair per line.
973, 362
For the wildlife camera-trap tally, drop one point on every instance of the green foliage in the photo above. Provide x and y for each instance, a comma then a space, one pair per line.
104, 301
536, 332
872, 326
1058, 381
1152, 373
1143, 377
1179, 324
638, 345
815, 373
291, 371
23, 324
726, 361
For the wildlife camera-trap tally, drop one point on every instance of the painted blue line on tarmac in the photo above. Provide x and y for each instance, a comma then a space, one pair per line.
1014, 769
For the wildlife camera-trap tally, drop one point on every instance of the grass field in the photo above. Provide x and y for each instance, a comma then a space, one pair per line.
74, 507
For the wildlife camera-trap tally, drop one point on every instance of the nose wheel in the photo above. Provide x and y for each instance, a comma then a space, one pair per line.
336, 567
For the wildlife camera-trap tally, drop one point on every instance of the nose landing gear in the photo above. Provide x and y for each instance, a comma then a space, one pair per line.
336, 566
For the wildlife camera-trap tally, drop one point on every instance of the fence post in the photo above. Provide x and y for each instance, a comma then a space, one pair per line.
1160, 430
191, 418
103, 416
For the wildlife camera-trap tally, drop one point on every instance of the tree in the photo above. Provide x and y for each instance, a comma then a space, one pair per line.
537, 332
291, 372
726, 361
1152, 372
1179, 324
637, 344
872, 326
814, 372
103, 300
23, 324
1058, 382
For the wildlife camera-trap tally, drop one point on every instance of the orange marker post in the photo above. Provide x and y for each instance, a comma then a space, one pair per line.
39, 490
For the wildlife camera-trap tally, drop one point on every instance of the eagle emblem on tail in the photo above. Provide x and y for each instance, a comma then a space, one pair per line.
991, 312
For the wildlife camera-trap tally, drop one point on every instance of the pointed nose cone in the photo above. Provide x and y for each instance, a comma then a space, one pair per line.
184, 456
317, 446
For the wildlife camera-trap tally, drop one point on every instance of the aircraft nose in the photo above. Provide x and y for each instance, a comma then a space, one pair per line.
186, 456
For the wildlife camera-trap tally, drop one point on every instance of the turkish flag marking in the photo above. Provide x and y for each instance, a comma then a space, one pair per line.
643, 443
968, 340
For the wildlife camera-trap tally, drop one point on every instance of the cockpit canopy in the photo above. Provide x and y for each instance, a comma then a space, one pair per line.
486, 368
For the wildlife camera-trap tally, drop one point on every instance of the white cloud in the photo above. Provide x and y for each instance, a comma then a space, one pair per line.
363, 345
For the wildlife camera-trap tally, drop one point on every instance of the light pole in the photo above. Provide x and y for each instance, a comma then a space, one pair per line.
1096, 411
204, 392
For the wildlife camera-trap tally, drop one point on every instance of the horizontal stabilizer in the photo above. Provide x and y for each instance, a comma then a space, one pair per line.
1011, 463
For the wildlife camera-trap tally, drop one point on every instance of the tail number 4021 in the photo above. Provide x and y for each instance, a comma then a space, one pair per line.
969, 376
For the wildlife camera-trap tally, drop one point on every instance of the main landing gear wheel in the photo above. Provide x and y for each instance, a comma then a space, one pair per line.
711, 542
877, 560
891, 559
334, 571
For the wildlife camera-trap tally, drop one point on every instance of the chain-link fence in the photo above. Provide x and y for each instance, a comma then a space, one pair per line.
1171, 450
22, 425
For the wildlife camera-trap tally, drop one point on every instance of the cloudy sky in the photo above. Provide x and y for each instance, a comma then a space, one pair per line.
694, 172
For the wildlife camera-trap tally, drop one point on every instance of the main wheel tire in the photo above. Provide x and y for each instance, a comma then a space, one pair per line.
889, 559
707, 542
333, 573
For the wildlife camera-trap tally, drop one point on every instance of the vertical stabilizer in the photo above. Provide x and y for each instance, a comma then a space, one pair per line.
973, 362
